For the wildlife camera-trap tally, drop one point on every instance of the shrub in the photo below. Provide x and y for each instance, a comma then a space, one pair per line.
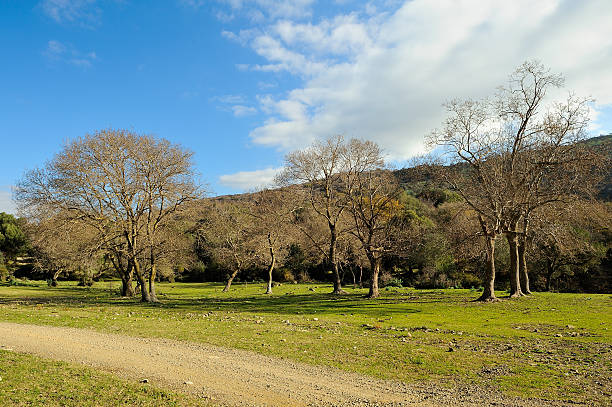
393, 282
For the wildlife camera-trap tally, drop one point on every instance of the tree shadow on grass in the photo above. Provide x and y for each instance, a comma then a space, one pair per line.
389, 303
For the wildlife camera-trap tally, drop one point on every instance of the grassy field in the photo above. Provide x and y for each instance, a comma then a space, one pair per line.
33, 381
554, 346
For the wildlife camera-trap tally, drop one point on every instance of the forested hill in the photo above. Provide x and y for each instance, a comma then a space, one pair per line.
421, 180
604, 144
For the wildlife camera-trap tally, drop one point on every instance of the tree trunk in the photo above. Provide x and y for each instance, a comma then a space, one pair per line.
152, 283
360, 276
272, 264
126, 275
144, 293
54, 278
489, 288
515, 285
127, 290
375, 262
228, 284
550, 271
333, 261
522, 262
152, 276
126, 281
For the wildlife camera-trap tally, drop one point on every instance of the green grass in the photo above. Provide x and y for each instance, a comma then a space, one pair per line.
31, 381
405, 335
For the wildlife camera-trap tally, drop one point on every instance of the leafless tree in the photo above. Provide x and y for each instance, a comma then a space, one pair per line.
224, 231
514, 153
270, 215
122, 184
320, 169
372, 195
61, 246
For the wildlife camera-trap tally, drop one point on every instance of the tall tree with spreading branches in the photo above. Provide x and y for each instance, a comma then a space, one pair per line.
515, 153
124, 185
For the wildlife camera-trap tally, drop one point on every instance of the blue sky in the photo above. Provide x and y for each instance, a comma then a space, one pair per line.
242, 82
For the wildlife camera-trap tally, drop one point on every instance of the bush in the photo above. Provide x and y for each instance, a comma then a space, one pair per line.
430, 277
304, 277
392, 282
283, 275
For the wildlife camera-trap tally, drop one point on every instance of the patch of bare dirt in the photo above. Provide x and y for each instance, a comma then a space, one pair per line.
234, 377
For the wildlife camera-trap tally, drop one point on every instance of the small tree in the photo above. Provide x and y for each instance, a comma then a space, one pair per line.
224, 231
269, 228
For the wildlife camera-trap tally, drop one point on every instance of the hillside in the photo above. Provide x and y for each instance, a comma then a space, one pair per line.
423, 177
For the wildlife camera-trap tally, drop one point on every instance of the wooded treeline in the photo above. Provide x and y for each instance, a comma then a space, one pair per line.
516, 199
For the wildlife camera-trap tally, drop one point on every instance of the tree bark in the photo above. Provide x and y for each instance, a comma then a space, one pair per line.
228, 284
144, 292
54, 277
272, 264
152, 276
550, 271
522, 262
375, 262
360, 276
127, 290
515, 285
152, 283
333, 261
488, 293
126, 275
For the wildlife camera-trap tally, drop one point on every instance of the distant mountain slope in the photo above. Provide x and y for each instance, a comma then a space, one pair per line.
422, 177
604, 145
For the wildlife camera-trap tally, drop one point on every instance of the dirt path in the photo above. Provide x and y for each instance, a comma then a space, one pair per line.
229, 376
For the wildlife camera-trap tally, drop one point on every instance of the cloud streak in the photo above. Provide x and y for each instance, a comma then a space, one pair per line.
250, 180
57, 51
84, 12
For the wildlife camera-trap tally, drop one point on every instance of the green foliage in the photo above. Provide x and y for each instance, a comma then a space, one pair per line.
13, 241
392, 282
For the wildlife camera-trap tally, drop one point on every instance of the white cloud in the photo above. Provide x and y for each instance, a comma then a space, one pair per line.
66, 53
84, 12
241, 110
383, 75
6, 201
237, 104
230, 99
250, 180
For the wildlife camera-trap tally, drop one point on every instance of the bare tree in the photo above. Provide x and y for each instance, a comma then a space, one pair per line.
270, 215
122, 184
514, 153
61, 246
561, 237
372, 193
224, 230
320, 169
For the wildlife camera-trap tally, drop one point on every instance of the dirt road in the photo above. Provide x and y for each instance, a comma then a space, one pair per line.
229, 376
